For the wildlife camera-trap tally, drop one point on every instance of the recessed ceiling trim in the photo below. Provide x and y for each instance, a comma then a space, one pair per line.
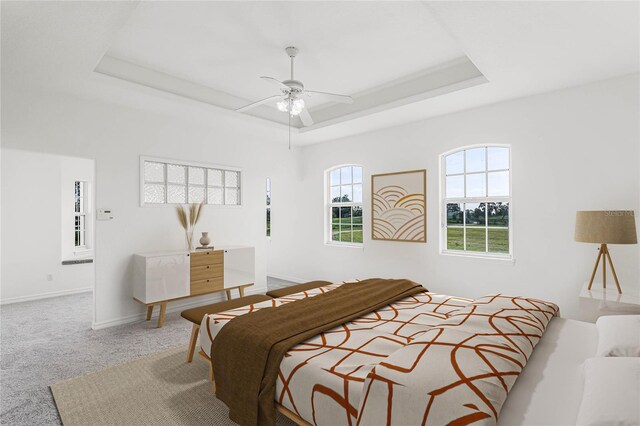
453, 76
133, 73
436, 81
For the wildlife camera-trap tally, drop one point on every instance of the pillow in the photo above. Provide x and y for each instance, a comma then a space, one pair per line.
611, 392
618, 335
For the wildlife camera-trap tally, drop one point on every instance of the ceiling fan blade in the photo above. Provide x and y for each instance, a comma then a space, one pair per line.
305, 117
277, 82
343, 99
258, 103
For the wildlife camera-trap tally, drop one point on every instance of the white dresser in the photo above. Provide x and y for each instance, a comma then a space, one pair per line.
161, 277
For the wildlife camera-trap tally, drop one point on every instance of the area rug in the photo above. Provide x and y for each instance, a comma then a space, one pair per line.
159, 389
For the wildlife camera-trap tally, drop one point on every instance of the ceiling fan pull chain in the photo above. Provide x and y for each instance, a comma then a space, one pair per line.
289, 115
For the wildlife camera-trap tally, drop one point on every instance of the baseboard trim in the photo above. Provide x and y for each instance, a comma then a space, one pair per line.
45, 295
171, 307
289, 278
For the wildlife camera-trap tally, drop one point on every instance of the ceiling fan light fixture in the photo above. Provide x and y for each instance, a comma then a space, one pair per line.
290, 98
283, 105
292, 106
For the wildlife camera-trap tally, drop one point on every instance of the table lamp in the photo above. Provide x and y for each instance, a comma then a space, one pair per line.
606, 227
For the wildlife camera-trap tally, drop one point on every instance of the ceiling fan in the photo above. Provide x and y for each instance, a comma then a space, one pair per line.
291, 100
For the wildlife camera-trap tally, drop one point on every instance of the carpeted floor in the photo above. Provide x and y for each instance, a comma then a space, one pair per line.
47, 341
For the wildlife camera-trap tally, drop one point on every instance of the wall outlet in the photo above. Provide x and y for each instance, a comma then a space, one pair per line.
49, 277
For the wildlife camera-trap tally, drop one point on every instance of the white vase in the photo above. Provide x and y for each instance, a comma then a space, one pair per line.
205, 240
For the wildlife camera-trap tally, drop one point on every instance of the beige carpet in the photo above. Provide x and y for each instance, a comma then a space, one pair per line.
160, 389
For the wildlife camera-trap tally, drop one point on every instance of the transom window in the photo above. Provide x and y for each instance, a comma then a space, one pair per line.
179, 183
80, 214
344, 202
477, 198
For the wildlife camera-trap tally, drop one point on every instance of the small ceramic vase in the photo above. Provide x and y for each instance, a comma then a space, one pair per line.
205, 240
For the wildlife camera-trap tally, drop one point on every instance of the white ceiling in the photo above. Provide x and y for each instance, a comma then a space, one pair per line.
357, 48
345, 47
215, 52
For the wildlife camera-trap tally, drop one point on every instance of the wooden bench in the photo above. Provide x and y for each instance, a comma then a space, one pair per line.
195, 315
163, 303
286, 291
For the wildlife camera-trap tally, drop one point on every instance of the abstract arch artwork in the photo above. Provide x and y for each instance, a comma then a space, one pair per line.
398, 206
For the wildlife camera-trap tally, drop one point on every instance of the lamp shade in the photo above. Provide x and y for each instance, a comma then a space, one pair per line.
606, 227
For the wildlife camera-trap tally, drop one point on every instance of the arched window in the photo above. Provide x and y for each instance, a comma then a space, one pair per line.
476, 201
344, 204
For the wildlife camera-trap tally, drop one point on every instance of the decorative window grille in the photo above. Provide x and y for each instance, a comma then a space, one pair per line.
176, 182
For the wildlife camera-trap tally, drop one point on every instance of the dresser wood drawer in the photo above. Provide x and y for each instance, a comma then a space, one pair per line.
207, 258
206, 286
207, 271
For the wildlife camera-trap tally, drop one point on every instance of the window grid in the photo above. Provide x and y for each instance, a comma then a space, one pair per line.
345, 202
80, 224
268, 208
496, 236
197, 183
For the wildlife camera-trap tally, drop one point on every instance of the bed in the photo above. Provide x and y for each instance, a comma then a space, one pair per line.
323, 379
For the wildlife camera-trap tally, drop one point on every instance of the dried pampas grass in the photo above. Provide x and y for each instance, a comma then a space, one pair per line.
188, 219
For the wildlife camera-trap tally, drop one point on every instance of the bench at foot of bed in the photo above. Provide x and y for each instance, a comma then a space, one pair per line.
195, 315
297, 288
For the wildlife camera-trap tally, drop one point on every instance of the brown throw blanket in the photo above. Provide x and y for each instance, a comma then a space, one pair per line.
248, 350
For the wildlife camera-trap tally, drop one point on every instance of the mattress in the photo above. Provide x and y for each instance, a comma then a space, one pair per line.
553, 374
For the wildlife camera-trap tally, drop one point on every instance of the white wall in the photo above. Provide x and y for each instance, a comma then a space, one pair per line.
572, 149
575, 149
115, 136
37, 225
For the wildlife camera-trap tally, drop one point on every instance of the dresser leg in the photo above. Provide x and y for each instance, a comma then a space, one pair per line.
149, 312
163, 310
228, 294
241, 291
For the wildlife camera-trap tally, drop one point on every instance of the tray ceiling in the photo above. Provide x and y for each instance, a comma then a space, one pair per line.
402, 61
384, 54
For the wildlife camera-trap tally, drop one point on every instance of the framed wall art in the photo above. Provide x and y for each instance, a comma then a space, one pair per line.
399, 206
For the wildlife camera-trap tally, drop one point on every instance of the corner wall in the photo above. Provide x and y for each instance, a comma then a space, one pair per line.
575, 149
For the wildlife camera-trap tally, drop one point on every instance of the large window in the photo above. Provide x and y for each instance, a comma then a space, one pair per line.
174, 182
268, 200
476, 203
80, 214
344, 193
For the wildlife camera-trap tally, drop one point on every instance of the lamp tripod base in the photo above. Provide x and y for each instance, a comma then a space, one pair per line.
603, 254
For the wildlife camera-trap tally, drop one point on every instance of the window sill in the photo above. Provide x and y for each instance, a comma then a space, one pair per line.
77, 261
81, 253
346, 245
505, 260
